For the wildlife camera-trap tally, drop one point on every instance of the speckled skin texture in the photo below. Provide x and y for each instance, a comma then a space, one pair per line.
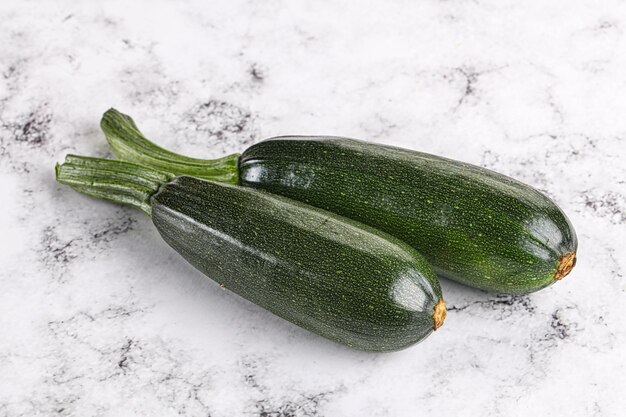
335, 277
475, 226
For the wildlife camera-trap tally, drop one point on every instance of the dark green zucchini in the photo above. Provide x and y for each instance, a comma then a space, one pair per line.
473, 225
333, 276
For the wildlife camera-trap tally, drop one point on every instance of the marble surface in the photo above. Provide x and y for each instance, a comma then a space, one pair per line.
98, 317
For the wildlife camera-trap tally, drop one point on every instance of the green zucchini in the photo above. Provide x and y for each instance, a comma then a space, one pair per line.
333, 276
473, 225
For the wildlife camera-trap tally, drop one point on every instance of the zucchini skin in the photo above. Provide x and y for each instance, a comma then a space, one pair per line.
333, 276
473, 225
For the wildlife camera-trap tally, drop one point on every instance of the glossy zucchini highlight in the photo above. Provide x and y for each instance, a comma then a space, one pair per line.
333, 276
473, 225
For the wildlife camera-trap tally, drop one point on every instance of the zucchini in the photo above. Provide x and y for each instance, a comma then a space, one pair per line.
475, 226
333, 276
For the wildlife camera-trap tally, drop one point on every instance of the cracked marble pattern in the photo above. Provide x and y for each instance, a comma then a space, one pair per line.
99, 317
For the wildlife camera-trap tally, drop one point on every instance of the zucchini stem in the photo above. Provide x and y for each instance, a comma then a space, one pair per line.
121, 182
129, 144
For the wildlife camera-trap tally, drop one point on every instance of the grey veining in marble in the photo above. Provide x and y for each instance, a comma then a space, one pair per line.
98, 317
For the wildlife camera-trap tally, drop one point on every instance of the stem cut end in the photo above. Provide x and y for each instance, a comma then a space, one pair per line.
567, 262
440, 314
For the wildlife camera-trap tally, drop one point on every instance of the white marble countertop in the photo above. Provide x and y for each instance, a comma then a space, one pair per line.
99, 317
